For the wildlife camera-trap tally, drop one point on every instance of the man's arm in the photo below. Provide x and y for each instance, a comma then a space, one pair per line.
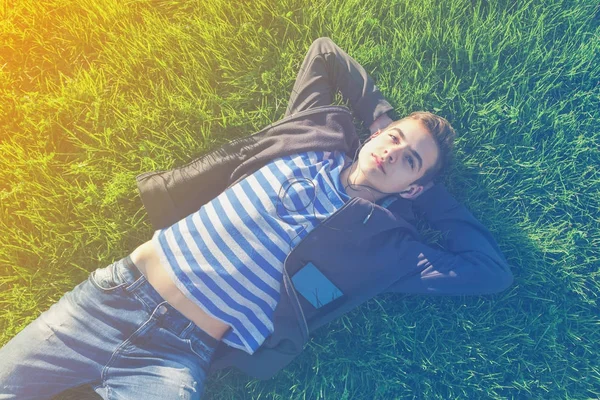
327, 69
471, 262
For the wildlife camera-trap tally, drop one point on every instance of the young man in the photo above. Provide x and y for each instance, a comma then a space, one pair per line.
259, 243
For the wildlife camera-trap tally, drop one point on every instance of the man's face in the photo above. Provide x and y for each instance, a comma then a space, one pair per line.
397, 156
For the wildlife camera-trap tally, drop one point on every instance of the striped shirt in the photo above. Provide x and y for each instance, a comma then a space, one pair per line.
228, 256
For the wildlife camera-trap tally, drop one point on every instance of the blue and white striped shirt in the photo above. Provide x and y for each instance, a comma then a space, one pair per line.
228, 256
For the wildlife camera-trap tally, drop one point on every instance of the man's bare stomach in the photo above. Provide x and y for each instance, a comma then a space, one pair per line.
146, 258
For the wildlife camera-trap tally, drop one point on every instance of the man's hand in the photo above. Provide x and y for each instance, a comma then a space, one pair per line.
380, 123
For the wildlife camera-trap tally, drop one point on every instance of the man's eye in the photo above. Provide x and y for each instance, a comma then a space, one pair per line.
411, 162
394, 138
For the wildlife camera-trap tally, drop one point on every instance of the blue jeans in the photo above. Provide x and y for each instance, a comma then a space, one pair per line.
114, 332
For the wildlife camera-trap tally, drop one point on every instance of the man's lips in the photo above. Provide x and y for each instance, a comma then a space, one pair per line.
378, 162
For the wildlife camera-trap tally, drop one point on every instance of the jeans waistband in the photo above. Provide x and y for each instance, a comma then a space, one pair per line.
172, 319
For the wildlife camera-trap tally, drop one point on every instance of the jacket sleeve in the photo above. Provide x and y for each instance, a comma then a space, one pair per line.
471, 262
169, 196
326, 70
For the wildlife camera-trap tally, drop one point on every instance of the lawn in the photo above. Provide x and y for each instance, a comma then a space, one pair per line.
95, 92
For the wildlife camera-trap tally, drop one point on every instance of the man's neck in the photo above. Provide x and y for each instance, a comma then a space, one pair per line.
352, 178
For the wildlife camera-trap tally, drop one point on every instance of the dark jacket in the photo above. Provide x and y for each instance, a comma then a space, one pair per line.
363, 248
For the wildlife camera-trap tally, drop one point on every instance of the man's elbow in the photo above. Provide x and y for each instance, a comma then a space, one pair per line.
490, 275
502, 280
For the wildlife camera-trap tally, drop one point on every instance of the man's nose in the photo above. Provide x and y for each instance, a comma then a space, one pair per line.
391, 155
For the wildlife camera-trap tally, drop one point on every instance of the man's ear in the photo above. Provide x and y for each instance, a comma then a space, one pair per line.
411, 192
375, 133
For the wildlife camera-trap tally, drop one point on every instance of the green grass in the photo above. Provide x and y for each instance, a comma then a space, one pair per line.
94, 92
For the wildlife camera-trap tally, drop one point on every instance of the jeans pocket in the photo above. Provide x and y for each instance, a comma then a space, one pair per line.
107, 279
202, 351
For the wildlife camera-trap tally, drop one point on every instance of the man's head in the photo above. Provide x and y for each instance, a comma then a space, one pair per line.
407, 154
